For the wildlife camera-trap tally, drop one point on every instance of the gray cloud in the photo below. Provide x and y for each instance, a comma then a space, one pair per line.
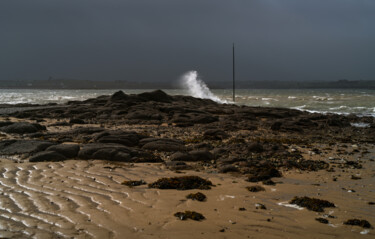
148, 40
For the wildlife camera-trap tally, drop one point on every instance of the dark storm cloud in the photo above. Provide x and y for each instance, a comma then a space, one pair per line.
157, 40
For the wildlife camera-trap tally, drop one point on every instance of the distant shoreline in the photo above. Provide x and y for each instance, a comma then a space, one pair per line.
100, 85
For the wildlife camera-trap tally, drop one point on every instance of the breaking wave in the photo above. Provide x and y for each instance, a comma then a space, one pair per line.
197, 88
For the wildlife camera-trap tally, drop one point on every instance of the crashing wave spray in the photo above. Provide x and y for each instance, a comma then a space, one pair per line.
197, 88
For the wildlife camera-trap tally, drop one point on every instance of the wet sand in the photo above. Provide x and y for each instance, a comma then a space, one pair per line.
85, 199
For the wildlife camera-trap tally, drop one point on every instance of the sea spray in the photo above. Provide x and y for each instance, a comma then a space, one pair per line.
197, 88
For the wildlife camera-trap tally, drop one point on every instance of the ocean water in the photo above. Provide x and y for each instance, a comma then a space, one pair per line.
359, 102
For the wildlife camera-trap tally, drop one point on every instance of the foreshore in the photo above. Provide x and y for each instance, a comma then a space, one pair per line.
90, 169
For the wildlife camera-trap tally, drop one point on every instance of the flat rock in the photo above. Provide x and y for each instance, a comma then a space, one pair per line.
228, 168
112, 152
201, 155
165, 145
22, 128
67, 150
215, 134
11, 147
180, 156
49, 156
115, 152
118, 137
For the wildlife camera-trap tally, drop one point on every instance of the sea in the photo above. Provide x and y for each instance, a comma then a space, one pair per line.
338, 101
360, 102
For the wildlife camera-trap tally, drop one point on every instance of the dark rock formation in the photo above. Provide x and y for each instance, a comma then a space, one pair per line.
12, 147
312, 204
67, 150
50, 156
22, 128
166, 145
182, 183
115, 152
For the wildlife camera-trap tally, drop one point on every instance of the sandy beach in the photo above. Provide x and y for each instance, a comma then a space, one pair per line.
47, 194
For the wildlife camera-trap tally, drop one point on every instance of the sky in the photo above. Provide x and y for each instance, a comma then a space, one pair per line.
159, 40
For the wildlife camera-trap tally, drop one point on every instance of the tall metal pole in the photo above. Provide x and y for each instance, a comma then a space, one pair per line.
234, 77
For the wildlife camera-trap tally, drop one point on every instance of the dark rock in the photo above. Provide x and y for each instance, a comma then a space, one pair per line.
322, 220
260, 206
22, 128
276, 125
228, 168
205, 146
132, 183
255, 188
86, 131
62, 123
182, 183
358, 222
353, 164
118, 137
312, 204
255, 147
5, 123
178, 165
201, 155
166, 145
115, 152
49, 156
189, 215
143, 114
195, 118
217, 152
157, 95
119, 96
355, 177
197, 196
338, 121
77, 121
269, 182
180, 156
11, 147
310, 165
264, 173
67, 150
215, 134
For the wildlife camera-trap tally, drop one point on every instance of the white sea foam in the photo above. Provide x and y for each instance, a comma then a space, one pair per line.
197, 88
286, 204
299, 107
360, 125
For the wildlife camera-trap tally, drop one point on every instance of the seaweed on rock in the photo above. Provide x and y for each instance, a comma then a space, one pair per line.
255, 188
189, 214
132, 183
312, 204
358, 222
182, 183
197, 196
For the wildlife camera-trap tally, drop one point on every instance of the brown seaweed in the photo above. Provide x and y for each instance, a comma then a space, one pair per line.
182, 183
189, 215
197, 196
322, 220
132, 183
255, 188
358, 222
312, 204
